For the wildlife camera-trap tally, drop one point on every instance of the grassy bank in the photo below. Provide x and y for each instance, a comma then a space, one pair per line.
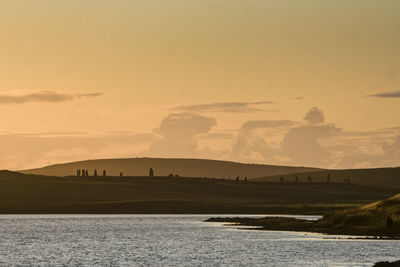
368, 220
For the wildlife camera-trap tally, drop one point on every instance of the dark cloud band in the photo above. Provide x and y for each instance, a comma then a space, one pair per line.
387, 95
43, 96
224, 107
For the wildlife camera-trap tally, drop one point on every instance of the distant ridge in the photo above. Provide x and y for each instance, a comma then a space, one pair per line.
8, 173
381, 177
166, 166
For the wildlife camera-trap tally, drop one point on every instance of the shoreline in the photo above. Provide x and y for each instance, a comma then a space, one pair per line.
306, 226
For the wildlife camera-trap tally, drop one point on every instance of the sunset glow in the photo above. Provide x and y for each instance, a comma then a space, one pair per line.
313, 83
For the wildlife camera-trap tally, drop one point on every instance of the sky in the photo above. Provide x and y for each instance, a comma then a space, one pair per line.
286, 82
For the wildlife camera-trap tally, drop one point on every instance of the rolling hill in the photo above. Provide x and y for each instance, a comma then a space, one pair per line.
163, 167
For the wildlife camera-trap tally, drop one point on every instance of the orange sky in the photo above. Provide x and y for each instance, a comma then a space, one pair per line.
89, 79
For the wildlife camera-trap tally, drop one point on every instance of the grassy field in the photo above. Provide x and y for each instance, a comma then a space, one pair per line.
367, 220
382, 177
20, 193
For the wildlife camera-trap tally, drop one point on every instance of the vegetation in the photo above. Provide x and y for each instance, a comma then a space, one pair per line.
387, 264
381, 218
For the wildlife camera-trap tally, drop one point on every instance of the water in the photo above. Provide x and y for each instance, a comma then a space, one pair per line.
171, 240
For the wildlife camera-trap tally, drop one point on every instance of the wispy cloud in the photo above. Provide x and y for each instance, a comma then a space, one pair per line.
392, 128
394, 94
240, 107
27, 150
258, 124
43, 96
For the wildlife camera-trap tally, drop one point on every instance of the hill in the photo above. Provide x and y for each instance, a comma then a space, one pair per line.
22, 193
163, 167
381, 177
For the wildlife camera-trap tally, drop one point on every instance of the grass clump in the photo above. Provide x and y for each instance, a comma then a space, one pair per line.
380, 218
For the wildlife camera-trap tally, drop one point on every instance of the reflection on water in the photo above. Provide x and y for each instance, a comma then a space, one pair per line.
170, 240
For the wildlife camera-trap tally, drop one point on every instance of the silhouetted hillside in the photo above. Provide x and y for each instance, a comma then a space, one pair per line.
21, 193
382, 177
163, 167
13, 174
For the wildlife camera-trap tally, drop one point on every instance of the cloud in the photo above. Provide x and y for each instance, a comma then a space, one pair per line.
217, 136
372, 153
258, 124
393, 149
251, 146
392, 128
180, 133
285, 140
314, 116
365, 133
232, 107
186, 124
394, 94
302, 145
253, 149
43, 96
28, 150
